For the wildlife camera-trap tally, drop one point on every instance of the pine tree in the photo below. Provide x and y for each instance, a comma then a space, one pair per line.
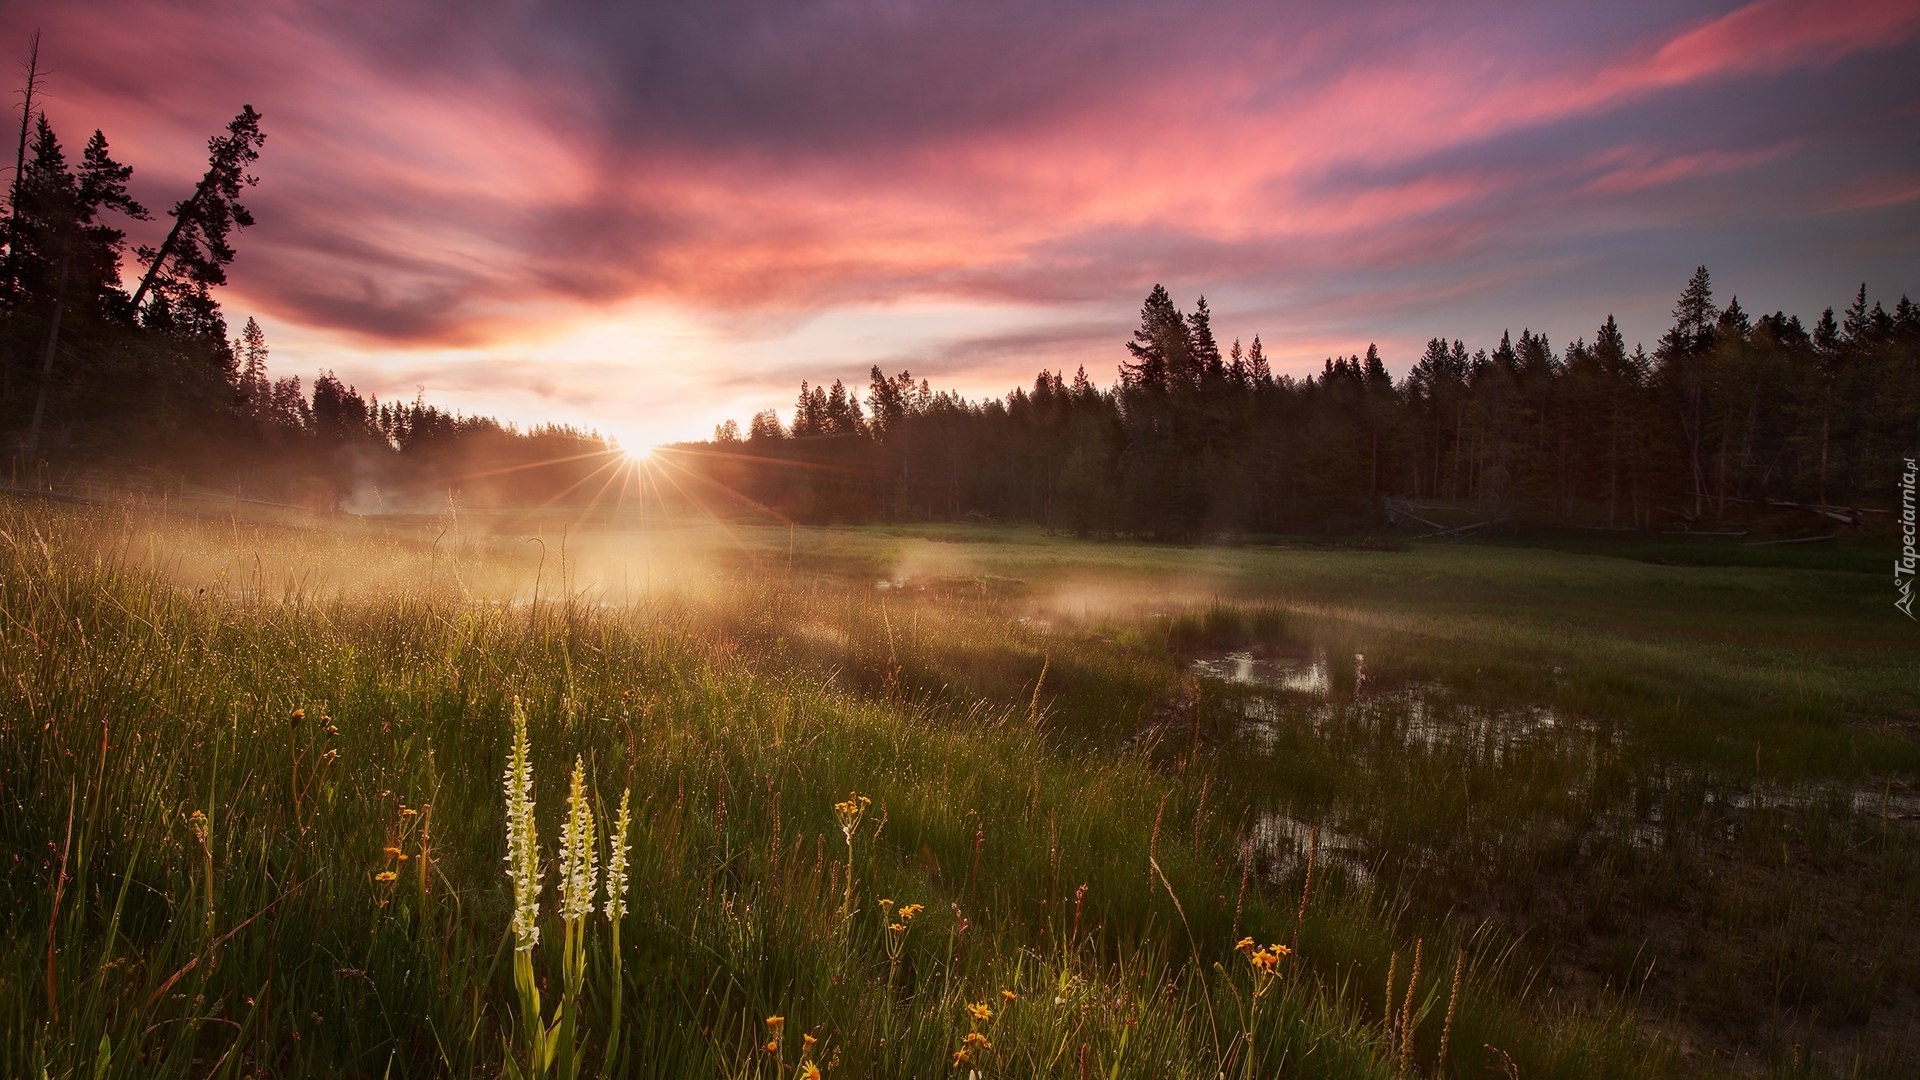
1201, 344
47, 235
1826, 333
887, 401
1694, 320
1858, 326
14, 199
340, 414
1430, 370
1162, 351
1906, 319
765, 427
842, 411
1257, 367
1733, 322
1681, 356
290, 409
1504, 355
805, 420
255, 388
102, 184
197, 250
1374, 370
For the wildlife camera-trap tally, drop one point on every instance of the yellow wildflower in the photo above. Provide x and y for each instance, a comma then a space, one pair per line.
976, 1041
1267, 960
980, 1012
809, 1071
1009, 996
385, 876
850, 811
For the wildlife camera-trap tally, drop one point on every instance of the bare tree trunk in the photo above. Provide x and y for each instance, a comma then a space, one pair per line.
1727, 421
13, 205
1694, 438
1459, 440
1613, 465
1824, 428
1439, 441
166, 247
46, 358
1373, 478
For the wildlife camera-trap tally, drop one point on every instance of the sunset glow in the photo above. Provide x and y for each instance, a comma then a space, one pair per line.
650, 221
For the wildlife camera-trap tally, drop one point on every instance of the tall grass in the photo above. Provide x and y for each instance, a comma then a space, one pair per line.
206, 795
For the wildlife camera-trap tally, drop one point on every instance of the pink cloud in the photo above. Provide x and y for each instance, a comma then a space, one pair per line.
411, 205
1772, 35
1874, 191
1636, 168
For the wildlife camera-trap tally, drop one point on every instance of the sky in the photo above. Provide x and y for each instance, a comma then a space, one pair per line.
647, 218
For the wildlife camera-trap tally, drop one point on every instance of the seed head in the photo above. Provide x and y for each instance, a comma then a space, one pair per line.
523, 841
616, 908
579, 855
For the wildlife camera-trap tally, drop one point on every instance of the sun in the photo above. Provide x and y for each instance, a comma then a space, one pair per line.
635, 444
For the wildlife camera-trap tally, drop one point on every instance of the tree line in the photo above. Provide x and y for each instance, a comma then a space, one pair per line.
1729, 412
115, 361
99, 379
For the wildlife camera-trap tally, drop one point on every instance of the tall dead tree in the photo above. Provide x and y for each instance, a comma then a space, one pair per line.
13, 204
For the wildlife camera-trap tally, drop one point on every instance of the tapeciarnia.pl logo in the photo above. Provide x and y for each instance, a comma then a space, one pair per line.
1903, 567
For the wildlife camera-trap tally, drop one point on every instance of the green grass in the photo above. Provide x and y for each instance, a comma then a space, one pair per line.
741, 681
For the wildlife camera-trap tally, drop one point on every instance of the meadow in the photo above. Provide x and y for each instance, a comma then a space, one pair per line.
913, 802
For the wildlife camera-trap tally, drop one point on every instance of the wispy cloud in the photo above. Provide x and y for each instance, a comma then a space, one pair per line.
494, 178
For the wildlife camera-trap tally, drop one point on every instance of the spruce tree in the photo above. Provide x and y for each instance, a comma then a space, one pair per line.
1257, 368
804, 418
198, 248
102, 187
1201, 344
1162, 352
255, 388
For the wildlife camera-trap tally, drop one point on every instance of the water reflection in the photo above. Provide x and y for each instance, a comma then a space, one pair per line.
1425, 778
